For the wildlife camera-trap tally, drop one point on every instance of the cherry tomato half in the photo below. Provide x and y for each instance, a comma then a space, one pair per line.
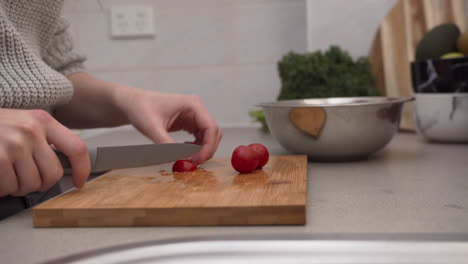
183, 165
244, 159
263, 154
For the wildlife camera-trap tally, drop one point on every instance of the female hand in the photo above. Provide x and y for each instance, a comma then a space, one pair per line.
27, 160
155, 114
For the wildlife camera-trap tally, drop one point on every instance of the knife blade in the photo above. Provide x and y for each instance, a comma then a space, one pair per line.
120, 157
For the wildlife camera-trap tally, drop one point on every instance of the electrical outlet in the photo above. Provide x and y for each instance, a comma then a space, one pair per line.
132, 21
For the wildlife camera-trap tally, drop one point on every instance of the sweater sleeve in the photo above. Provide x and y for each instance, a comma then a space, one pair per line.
59, 54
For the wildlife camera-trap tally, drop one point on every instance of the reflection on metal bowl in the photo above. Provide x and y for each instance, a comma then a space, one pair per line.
335, 129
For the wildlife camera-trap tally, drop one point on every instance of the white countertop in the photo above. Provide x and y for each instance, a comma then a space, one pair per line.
409, 187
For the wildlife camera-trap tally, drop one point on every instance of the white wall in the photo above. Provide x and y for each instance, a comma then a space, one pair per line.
223, 50
351, 24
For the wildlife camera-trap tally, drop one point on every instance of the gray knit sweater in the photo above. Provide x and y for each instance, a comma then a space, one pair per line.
36, 53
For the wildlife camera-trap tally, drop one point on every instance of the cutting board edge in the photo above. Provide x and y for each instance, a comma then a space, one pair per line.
212, 216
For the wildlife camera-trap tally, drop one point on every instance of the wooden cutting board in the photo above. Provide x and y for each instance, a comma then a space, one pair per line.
214, 194
394, 45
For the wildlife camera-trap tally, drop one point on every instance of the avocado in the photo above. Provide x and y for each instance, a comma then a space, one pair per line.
441, 40
452, 55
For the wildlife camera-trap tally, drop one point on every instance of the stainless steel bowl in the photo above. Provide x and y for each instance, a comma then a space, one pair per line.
335, 129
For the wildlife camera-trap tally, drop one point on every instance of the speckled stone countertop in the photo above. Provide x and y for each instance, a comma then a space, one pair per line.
409, 187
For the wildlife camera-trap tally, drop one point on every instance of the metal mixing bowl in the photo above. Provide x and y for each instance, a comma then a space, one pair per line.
335, 129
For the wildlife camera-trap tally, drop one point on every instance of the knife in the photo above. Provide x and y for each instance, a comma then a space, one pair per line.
120, 157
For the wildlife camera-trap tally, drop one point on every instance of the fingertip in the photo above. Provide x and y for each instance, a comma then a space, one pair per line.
78, 184
80, 177
204, 155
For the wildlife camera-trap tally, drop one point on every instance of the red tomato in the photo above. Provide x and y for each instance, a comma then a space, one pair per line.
183, 165
244, 159
263, 154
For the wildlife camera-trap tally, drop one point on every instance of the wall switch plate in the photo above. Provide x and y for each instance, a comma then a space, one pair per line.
132, 21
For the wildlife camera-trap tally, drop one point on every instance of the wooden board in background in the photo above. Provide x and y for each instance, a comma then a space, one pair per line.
396, 40
214, 195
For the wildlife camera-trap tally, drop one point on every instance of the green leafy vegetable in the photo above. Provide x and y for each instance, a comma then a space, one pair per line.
259, 116
333, 73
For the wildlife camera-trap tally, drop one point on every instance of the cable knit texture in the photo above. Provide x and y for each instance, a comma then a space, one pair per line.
36, 53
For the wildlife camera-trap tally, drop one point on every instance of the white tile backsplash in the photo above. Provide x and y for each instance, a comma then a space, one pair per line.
87, 6
139, 79
215, 86
225, 51
69, 6
184, 4
193, 37
265, 32
260, 82
104, 53
353, 24
207, 81
170, 4
266, 2
228, 92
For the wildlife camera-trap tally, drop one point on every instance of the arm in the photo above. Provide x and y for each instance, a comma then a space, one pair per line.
98, 103
94, 103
